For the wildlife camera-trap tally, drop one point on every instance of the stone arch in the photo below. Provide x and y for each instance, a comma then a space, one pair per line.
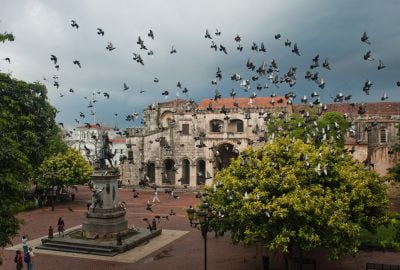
185, 172
216, 125
169, 171
236, 125
201, 172
150, 172
166, 118
223, 153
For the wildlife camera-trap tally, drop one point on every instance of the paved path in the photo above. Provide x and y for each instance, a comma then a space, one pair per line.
181, 251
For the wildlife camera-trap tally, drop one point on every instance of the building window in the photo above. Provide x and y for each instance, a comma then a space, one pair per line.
185, 129
216, 125
130, 155
383, 138
239, 126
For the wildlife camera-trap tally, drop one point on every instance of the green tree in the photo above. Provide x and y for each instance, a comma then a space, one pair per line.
27, 130
65, 170
294, 197
310, 127
6, 36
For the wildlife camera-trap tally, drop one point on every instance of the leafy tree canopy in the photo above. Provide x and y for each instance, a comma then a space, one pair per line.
294, 196
6, 36
65, 169
27, 135
309, 127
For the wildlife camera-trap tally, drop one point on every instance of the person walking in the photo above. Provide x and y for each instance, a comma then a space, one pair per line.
60, 225
25, 243
155, 197
31, 255
18, 260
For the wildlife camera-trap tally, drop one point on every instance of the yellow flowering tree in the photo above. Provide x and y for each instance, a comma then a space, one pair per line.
64, 170
294, 197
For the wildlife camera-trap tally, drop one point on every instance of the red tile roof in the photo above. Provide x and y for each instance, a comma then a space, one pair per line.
373, 108
258, 102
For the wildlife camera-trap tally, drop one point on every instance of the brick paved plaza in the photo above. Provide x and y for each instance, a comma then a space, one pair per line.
186, 252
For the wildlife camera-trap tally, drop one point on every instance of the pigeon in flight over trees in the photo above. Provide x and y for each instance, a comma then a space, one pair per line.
223, 49
213, 46
76, 62
7, 59
367, 56
53, 58
100, 32
110, 46
381, 65
74, 24
277, 36
367, 86
173, 50
364, 38
237, 38
126, 87
288, 43
296, 49
326, 64
207, 35
239, 47
217, 33
151, 34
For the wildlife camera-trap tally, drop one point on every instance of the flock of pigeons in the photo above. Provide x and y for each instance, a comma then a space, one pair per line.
268, 71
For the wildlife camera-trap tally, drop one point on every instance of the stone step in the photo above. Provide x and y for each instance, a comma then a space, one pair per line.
77, 245
76, 250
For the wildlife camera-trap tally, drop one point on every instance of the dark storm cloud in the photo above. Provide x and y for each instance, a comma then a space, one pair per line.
329, 28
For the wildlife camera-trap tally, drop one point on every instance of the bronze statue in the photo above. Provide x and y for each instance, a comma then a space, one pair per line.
105, 152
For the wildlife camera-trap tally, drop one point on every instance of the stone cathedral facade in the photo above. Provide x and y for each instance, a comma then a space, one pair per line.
182, 143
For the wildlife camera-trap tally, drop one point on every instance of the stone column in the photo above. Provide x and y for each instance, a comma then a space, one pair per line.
193, 175
178, 174
158, 175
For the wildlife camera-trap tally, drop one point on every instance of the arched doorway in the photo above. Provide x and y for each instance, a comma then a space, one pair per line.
201, 172
151, 172
169, 172
185, 172
223, 155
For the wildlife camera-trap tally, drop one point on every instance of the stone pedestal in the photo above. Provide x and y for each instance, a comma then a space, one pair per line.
105, 218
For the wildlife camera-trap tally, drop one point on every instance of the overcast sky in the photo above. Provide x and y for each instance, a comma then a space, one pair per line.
331, 29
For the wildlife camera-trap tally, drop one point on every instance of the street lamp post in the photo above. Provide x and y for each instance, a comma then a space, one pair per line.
203, 216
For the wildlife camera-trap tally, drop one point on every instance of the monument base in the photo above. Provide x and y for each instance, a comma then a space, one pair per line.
74, 242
